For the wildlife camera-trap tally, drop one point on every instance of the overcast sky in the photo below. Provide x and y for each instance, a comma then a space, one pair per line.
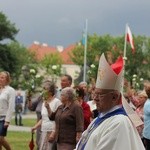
61, 22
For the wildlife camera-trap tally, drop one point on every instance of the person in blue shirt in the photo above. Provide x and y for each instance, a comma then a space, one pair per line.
18, 108
146, 130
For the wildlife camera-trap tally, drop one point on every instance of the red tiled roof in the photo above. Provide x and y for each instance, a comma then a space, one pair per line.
41, 50
65, 54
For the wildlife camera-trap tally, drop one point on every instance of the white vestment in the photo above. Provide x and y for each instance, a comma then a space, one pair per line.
114, 133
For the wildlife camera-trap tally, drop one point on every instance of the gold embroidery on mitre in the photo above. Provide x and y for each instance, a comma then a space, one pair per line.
101, 73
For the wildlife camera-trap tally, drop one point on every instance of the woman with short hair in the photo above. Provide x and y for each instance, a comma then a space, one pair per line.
69, 120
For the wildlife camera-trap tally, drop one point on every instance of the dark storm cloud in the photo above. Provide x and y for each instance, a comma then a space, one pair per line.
61, 22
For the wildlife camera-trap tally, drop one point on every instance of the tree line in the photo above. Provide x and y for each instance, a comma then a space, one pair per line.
13, 55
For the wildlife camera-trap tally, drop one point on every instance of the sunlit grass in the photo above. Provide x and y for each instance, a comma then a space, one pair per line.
19, 140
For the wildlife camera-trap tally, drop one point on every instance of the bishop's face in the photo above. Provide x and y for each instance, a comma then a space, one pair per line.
104, 99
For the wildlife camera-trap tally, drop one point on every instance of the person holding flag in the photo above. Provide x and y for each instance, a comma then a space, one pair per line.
112, 129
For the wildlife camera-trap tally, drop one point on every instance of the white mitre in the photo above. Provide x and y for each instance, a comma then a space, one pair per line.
107, 78
111, 77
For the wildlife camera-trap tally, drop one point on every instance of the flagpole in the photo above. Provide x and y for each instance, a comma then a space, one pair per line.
124, 55
125, 44
85, 51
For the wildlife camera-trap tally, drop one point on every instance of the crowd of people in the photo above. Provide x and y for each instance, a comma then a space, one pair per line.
82, 117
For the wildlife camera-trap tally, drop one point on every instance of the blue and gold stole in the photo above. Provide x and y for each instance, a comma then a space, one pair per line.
96, 123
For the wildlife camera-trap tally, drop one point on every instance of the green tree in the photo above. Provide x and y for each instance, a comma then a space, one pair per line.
113, 47
22, 57
7, 29
137, 63
96, 45
12, 55
52, 62
7, 59
7, 32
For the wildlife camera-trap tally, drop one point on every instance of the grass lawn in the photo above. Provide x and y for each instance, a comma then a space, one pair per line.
20, 140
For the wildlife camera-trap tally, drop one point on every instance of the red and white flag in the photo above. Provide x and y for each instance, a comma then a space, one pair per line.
130, 38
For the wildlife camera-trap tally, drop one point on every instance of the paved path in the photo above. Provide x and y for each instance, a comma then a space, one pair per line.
19, 128
22, 128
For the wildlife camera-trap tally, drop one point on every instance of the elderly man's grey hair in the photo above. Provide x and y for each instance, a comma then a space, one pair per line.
69, 93
83, 82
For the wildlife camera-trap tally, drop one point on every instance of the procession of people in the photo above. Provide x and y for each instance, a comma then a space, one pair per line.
81, 117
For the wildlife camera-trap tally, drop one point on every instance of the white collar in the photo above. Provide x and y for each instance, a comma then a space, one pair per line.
111, 110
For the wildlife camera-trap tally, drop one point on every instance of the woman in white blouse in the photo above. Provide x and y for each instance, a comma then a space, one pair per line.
47, 126
7, 105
